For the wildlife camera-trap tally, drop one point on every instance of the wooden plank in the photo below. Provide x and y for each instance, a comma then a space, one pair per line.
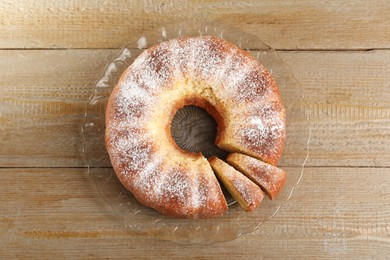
43, 96
334, 212
288, 24
346, 97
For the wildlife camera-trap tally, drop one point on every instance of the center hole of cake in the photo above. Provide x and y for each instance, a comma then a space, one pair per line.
195, 130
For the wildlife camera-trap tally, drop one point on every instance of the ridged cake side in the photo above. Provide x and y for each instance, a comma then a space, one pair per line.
204, 71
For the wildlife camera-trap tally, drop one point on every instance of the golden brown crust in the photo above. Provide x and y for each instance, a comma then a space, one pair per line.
203, 71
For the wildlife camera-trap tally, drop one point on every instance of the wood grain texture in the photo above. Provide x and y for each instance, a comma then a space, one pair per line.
346, 97
334, 212
289, 24
341, 208
43, 96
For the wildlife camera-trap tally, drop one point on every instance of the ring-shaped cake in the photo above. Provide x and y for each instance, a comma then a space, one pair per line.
207, 72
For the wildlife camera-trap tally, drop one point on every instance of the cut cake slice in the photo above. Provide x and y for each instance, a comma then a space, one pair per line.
244, 191
270, 178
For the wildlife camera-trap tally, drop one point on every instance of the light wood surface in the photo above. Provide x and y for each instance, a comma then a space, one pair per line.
292, 24
52, 53
332, 220
35, 107
346, 97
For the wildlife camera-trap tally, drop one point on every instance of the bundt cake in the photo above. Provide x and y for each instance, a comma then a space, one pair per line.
208, 72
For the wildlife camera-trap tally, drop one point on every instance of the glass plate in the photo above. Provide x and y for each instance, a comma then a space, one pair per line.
183, 231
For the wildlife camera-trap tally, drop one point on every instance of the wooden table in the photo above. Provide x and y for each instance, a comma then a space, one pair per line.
52, 52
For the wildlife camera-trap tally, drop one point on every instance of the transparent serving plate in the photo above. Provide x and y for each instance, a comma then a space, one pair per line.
236, 221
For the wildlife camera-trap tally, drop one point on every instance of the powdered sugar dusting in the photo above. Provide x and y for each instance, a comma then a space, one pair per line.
235, 79
266, 175
264, 131
147, 179
134, 153
176, 190
243, 187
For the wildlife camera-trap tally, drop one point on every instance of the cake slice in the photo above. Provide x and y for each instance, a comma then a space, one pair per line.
243, 190
270, 178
